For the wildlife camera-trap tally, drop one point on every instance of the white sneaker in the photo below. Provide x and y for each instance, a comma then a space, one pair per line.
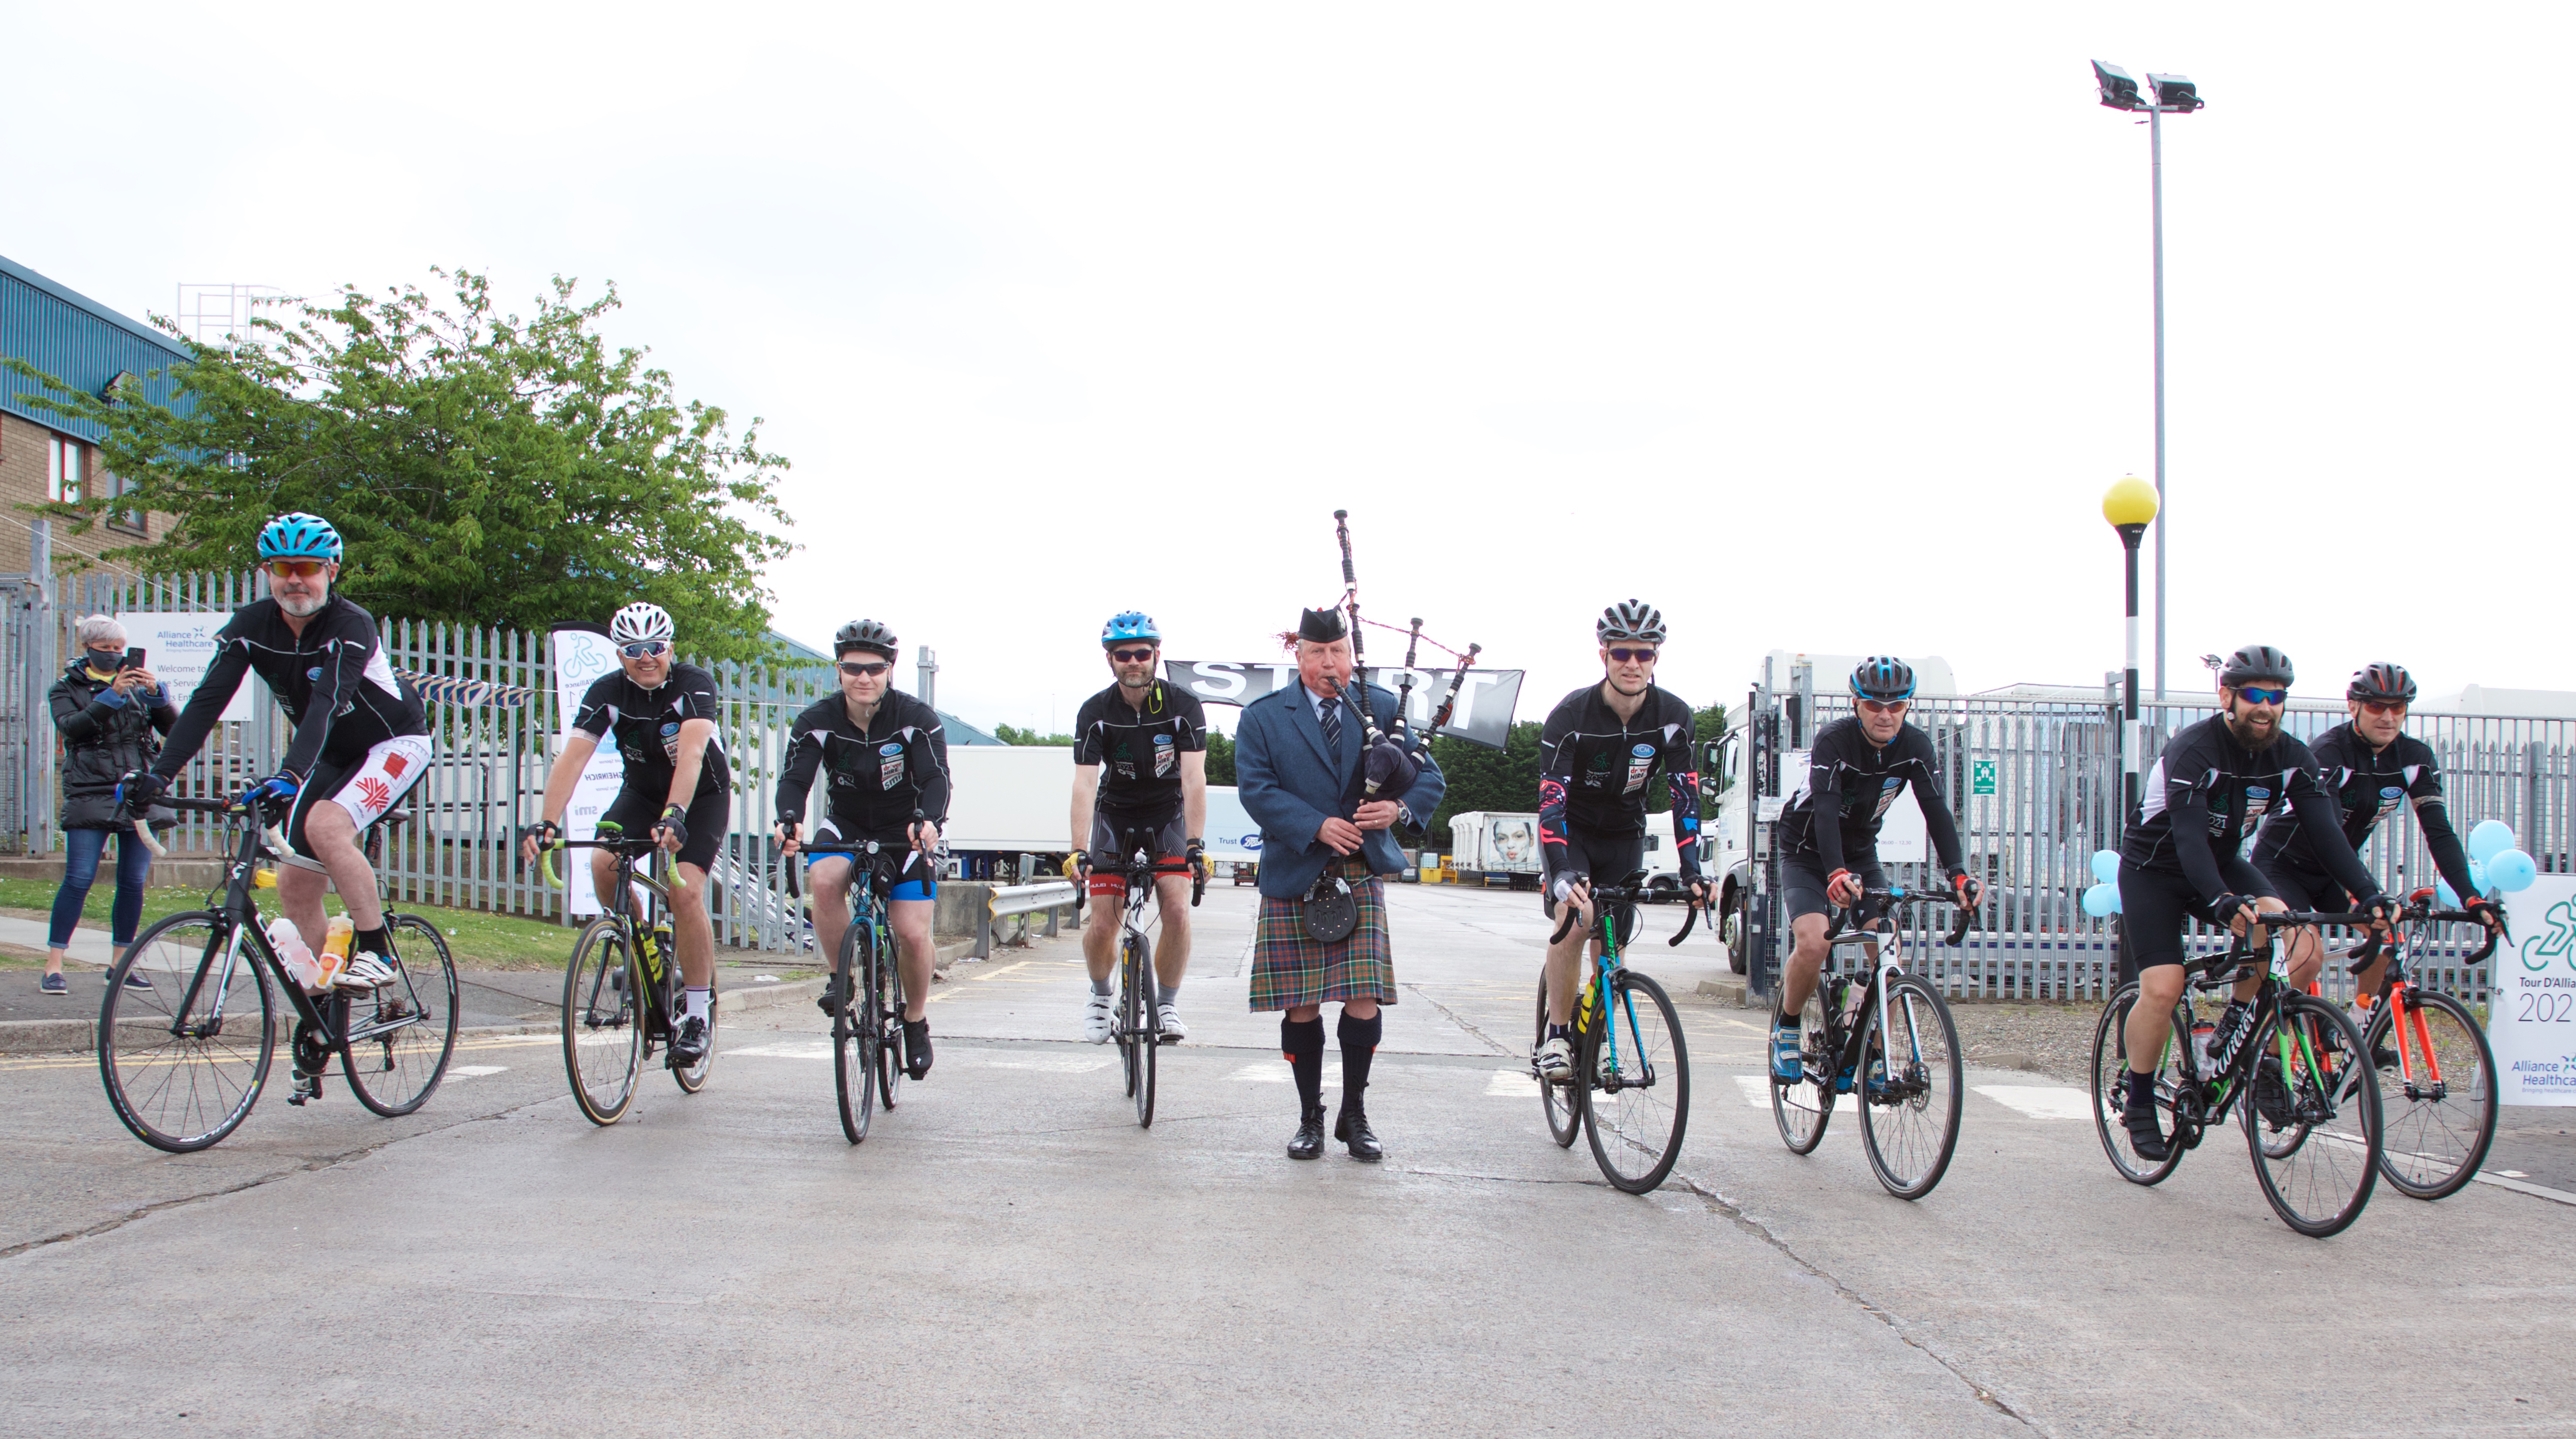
1173, 1030
1555, 1059
365, 971
1097, 1011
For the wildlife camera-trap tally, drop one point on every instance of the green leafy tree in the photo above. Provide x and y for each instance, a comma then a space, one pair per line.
1013, 734
1220, 759
485, 470
1485, 779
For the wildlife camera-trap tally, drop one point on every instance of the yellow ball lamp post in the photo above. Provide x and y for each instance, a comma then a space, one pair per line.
2130, 506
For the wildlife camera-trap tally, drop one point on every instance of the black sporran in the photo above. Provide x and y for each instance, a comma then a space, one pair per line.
1330, 910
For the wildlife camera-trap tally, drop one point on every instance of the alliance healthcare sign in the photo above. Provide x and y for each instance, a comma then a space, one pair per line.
2531, 1019
1485, 697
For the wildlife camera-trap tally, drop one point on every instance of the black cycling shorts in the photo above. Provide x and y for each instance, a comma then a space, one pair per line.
635, 811
1168, 842
1600, 858
2154, 904
1803, 885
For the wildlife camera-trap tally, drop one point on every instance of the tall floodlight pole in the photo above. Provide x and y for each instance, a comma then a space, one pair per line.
2131, 506
2171, 95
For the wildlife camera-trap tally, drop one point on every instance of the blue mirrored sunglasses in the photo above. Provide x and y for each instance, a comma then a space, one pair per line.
2265, 697
643, 648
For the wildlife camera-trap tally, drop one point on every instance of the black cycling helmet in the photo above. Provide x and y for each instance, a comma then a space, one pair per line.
1883, 678
1630, 620
869, 635
2384, 682
2256, 662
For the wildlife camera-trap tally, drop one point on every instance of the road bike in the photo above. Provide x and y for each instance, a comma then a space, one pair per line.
1888, 1038
184, 1060
1136, 1025
864, 996
1630, 1089
622, 989
2437, 1075
2312, 1118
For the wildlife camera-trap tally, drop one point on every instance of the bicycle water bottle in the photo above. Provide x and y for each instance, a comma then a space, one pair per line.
301, 966
2201, 1033
1583, 1015
652, 953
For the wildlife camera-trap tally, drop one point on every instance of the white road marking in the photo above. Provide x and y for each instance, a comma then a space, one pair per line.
1511, 1084
473, 1071
1757, 1090
1278, 1074
2040, 1101
2510, 1173
786, 1051
1048, 1065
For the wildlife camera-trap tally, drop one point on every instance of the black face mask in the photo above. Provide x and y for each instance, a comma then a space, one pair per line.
104, 660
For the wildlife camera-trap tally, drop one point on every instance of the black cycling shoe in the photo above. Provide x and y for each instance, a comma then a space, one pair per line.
830, 1002
2271, 1095
2144, 1137
689, 1043
916, 1047
1309, 1143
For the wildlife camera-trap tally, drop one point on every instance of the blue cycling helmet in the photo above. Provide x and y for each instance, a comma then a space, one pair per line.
1883, 678
1129, 625
299, 536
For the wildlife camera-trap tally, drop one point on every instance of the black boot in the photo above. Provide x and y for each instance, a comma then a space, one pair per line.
1309, 1143
1351, 1126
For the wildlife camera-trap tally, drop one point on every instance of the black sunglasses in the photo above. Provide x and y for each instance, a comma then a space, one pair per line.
1129, 657
866, 667
1643, 657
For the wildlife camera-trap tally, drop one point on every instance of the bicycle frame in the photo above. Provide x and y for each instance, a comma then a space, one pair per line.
1887, 952
1607, 902
2397, 987
631, 926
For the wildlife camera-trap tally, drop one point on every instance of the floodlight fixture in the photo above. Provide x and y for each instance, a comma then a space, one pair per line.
2119, 87
2175, 94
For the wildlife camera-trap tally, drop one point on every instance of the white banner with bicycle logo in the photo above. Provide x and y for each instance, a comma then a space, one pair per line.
2532, 1006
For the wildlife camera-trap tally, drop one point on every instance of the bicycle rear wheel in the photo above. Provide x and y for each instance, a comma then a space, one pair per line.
1636, 1084
603, 1022
854, 1068
2440, 1122
1144, 1022
886, 1017
184, 1061
2110, 1084
693, 1077
399, 1036
1801, 1107
1564, 1108
2316, 1138
1910, 1089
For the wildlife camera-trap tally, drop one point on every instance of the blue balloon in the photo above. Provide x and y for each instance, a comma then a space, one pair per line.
2478, 876
2492, 837
2106, 865
2102, 900
2448, 897
2512, 871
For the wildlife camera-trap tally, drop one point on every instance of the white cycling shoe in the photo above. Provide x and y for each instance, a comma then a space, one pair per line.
364, 971
1173, 1030
1097, 1012
1555, 1060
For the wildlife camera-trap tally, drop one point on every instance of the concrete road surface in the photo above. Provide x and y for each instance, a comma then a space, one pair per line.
1009, 1253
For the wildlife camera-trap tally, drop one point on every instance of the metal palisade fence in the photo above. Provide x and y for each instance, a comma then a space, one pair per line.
2036, 785
493, 716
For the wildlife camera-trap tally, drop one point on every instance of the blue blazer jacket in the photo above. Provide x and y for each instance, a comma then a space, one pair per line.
1290, 784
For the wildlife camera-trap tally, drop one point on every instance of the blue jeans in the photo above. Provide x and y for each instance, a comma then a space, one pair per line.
81, 848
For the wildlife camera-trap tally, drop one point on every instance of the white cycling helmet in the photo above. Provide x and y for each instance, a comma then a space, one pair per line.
640, 621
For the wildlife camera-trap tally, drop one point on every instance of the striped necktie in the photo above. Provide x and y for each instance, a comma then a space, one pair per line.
1333, 726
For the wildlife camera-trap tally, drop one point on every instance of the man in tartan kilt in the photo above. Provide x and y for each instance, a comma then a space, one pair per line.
1300, 764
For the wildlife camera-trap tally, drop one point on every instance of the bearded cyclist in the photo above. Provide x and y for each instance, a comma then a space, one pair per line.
1139, 762
886, 766
1597, 754
2213, 785
1829, 829
361, 734
2368, 766
663, 714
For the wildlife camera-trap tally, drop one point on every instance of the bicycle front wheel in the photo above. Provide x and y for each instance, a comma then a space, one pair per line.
2110, 1089
1564, 1108
2440, 1102
854, 1045
1636, 1084
401, 1034
1802, 1106
2312, 1118
885, 1017
603, 1022
184, 1060
1144, 1021
1910, 1089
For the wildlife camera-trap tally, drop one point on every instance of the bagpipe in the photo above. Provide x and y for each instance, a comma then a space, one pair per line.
1391, 764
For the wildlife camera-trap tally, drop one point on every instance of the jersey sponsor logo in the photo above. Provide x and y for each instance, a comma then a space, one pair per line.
889, 765
376, 792
671, 740
394, 766
314, 673
1888, 790
2258, 802
1641, 762
2390, 797
889, 748
1165, 756
1598, 773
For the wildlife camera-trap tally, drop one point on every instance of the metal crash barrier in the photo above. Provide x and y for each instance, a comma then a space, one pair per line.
1022, 902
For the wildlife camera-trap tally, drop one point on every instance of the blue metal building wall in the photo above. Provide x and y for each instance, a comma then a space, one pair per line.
76, 340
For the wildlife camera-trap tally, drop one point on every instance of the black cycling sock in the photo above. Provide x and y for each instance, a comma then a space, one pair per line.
1561, 1031
1359, 1039
1303, 1042
375, 941
2142, 1088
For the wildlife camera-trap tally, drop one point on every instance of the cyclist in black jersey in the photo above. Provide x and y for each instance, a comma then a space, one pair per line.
2213, 785
2368, 766
1139, 763
1597, 756
1828, 833
361, 735
675, 786
885, 765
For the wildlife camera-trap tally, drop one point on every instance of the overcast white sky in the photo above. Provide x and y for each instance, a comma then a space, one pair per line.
1824, 328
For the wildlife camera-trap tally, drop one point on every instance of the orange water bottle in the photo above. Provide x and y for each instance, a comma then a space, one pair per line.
335, 948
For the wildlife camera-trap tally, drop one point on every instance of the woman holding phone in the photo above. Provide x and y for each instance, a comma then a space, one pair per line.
112, 714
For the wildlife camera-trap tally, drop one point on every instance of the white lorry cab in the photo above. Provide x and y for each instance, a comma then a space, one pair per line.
1490, 847
1743, 792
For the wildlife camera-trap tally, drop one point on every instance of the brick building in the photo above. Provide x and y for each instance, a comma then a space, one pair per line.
45, 456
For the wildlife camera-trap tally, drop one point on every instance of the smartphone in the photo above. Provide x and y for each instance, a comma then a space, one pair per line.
133, 659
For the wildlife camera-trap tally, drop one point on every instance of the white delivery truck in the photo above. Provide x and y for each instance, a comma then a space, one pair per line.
1737, 824
1494, 848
